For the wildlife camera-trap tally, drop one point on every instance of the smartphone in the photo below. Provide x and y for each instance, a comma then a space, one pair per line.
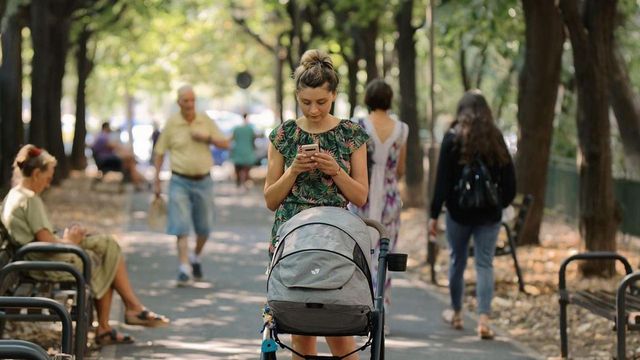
309, 149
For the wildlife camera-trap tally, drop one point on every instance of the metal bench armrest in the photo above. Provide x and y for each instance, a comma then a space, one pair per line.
50, 248
593, 255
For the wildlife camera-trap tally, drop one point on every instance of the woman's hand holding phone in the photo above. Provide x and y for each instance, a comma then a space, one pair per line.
326, 163
303, 162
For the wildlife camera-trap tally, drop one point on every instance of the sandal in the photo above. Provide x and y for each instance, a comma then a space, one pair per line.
146, 318
111, 338
454, 319
485, 332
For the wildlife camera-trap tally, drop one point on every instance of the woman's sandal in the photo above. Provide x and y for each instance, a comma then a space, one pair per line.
485, 332
146, 318
454, 319
111, 338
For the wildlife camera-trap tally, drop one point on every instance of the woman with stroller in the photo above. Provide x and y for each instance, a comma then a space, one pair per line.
24, 215
473, 136
334, 175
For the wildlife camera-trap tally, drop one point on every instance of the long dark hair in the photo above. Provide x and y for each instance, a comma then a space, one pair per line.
476, 132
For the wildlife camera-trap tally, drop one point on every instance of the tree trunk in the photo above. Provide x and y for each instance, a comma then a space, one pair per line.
280, 59
626, 106
370, 36
41, 72
78, 159
11, 96
50, 25
352, 92
538, 90
405, 47
591, 32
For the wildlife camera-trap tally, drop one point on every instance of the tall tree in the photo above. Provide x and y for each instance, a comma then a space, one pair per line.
11, 126
50, 25
538, 89
626, 106
94, 18
591, 32
406, 49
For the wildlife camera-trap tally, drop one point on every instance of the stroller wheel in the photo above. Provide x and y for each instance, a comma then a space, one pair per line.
268, 356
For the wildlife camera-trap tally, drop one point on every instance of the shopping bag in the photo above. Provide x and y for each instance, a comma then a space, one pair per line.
157, 215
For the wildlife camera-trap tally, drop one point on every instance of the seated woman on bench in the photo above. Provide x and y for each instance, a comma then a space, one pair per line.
110, 156
24, 215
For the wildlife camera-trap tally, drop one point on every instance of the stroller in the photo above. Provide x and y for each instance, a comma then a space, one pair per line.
319, 282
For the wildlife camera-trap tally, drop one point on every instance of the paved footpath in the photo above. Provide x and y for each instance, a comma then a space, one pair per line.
219, 318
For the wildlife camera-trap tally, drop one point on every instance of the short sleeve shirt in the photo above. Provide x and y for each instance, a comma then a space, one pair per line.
24, 214
314, 188
188, 156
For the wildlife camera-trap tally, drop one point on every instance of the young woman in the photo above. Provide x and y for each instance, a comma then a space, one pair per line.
333, 176
387, 149
25, 216
473, 135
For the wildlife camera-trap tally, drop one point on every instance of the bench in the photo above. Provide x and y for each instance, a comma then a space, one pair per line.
622, 307
506, 246
20, 349
15, 281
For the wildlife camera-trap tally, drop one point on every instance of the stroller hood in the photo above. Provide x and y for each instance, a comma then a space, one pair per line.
319, 280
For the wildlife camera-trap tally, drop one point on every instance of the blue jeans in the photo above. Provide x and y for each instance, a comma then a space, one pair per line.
190, 206
484, 242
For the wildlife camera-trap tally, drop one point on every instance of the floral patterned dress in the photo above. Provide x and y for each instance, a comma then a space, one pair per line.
384, 203
313, 188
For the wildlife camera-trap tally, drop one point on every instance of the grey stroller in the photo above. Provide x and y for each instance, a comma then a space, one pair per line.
319, 281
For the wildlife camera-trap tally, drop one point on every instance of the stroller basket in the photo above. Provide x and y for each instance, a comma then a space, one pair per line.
319, 279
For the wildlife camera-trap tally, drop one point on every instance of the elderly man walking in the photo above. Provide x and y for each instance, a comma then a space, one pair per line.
187, 137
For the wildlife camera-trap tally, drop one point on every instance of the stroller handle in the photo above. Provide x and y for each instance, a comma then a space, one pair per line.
379, 227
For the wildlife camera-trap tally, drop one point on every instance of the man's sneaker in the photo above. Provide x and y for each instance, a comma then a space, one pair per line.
183, 279
196, 269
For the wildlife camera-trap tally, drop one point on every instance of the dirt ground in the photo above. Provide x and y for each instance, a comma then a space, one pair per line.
531, 319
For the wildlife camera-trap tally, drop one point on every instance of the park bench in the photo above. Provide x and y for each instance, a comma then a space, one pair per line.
621, 306
505, 246
20, 349
15, 281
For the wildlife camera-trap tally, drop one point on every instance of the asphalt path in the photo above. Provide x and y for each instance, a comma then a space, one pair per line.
219, 318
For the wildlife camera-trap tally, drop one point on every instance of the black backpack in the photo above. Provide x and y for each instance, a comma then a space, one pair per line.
475, 189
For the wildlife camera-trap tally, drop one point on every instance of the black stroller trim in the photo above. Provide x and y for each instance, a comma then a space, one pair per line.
315, 357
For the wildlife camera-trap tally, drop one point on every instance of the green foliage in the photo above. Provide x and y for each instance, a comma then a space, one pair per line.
482, 28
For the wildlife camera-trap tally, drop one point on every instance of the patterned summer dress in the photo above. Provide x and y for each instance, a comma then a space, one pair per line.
384, 203
313, 188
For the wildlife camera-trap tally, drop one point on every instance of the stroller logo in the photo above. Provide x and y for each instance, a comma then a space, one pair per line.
315, 271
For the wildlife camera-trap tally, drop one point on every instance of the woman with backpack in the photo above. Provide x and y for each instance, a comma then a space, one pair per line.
333, 172
475, 180
386, 153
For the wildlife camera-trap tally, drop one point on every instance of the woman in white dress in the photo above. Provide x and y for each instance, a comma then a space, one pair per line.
386, 153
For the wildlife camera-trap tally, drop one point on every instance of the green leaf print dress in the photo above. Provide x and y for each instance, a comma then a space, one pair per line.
313, 188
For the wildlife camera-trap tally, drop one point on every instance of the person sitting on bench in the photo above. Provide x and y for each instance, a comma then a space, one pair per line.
110, 156
25, 216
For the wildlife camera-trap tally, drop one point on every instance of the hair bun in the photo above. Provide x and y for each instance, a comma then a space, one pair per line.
35, 152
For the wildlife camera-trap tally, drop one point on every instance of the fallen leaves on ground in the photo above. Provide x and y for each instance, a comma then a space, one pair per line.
533, 318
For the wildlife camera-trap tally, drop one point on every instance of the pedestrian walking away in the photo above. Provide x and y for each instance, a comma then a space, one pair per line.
315, 160
187, 137
243, 151
25, 216
386, 153
476, 180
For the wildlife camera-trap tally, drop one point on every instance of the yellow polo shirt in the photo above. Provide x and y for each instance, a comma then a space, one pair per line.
186, 155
